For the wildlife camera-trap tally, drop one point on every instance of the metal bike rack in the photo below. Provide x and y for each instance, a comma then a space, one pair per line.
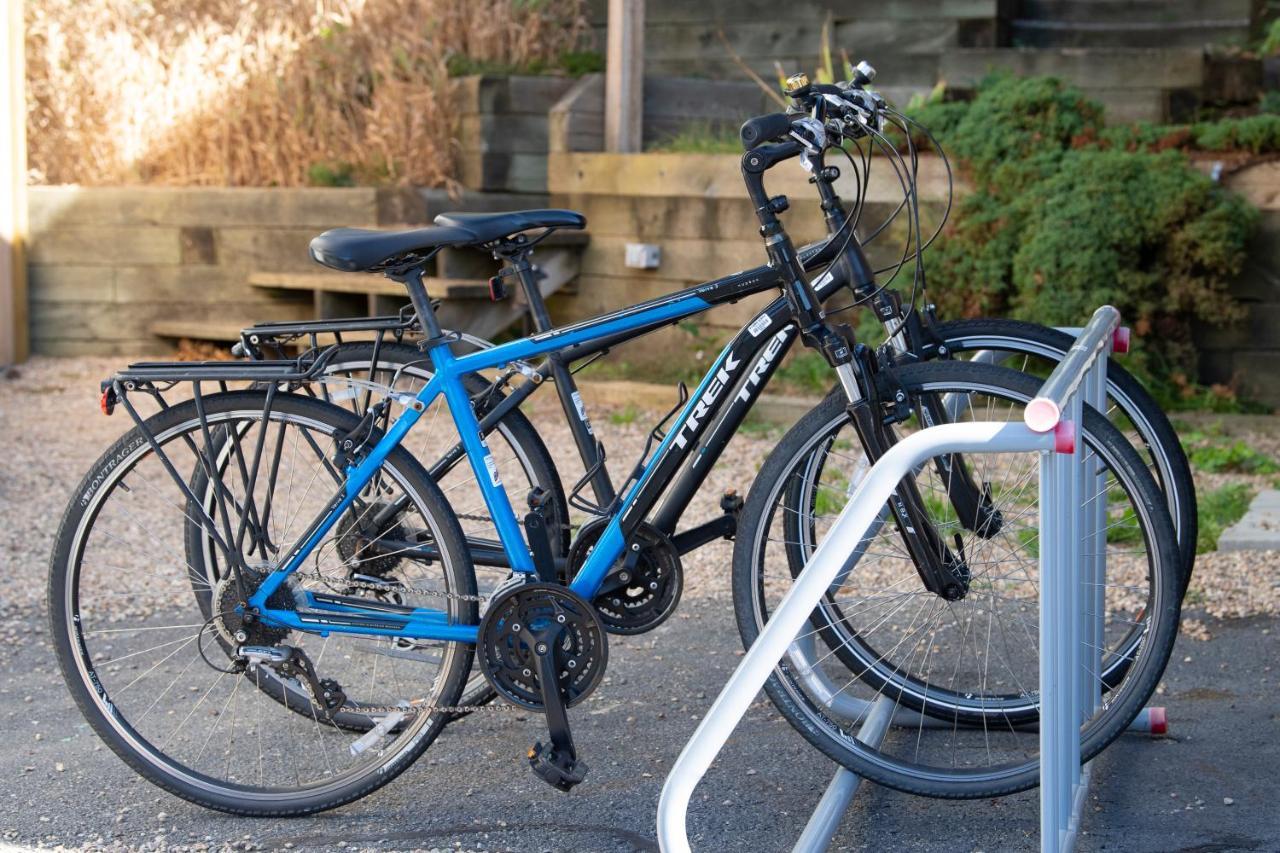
1071, 603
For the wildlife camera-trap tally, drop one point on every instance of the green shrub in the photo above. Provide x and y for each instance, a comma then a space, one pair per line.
1256, 134
1065, 217
1012, 122
331, 175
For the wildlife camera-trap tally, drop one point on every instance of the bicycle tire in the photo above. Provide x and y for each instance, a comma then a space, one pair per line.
83, 676
824, 732
1170, 464
515, 429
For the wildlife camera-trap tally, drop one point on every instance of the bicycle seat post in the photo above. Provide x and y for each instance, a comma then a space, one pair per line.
411, 278
516, 254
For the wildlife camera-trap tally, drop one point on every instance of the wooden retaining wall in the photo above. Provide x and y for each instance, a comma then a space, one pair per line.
693, 207
106, 264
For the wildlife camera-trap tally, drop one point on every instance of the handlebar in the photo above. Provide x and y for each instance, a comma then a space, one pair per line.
845, 110
761, 129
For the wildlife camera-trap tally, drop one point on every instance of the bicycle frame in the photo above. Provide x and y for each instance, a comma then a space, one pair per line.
743, 365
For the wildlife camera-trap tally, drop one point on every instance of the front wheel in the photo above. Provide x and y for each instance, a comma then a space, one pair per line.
963, 675
1030, 347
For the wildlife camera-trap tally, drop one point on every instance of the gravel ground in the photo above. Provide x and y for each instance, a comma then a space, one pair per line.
53, 404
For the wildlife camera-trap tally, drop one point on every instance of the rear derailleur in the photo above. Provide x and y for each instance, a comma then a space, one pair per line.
326, 695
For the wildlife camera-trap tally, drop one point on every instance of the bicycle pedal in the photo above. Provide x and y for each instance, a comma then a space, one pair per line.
556, 767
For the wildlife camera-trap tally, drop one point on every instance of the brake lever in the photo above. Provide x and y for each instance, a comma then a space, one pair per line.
815, 142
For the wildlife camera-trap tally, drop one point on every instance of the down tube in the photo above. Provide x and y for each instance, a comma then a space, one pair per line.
612, 542
733, 410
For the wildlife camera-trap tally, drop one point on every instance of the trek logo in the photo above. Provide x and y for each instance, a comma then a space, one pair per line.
771, 351
724, 377
708, 399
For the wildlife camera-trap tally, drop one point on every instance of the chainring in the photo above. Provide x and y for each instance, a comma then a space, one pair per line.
505, 653
357, 542
651, 592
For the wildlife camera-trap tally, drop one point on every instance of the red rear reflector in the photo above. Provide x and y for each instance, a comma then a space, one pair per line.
497, 289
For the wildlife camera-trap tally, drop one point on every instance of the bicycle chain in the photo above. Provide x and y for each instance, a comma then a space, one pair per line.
412, 709
373, 587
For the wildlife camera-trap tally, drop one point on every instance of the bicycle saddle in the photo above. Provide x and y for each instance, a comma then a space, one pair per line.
362, 249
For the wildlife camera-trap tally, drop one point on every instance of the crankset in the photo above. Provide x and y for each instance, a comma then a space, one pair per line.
643, 588
543, 647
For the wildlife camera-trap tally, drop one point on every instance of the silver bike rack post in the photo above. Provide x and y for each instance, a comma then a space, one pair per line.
1071, 603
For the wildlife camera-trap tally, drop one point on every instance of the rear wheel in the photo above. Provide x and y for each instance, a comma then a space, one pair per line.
151, 666
358, 375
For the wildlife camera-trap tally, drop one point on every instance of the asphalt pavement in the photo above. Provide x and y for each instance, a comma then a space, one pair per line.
1211, 787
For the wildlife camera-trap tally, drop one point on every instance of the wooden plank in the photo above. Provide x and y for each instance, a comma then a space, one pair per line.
366, 283
503, 171
503, 133
759, 42
107, 246
1102, 68
624, 76
709, 11
14, 329
576, 121
314, 208
200, 330
527, 94
715, 176
71, 283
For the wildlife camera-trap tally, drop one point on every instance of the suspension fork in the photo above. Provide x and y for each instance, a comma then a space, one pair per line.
916, 340
943, 572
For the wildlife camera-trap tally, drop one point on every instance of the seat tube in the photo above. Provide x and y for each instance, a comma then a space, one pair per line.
482, 462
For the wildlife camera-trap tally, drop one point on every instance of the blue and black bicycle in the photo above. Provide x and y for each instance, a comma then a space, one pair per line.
266, 604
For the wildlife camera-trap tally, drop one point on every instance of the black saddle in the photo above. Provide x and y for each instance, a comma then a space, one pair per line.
361, 249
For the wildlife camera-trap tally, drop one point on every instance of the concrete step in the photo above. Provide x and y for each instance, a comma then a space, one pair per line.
1259, 529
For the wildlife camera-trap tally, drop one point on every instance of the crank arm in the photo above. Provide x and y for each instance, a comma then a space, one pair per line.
556, 764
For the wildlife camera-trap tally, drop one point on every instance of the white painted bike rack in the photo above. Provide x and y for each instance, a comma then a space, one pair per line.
1072, 534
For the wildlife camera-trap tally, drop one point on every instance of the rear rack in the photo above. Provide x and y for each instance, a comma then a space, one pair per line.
275, 336
305, 368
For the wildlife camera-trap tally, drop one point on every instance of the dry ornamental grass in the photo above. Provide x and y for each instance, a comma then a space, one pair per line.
230, 93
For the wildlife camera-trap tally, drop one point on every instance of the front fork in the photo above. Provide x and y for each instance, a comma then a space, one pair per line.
943, 572
910, 338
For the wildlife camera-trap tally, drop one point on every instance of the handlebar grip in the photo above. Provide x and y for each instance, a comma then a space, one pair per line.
759, 130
